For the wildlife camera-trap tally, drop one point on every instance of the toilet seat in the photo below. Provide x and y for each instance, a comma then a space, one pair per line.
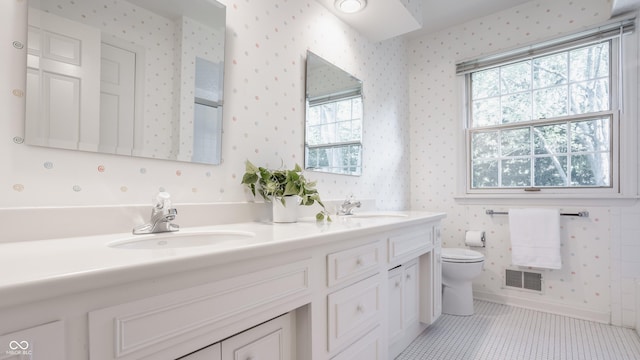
460, 255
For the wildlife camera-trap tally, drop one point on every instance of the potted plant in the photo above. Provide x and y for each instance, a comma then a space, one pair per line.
278, 186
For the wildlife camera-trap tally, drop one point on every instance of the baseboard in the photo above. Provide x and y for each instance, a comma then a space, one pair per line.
545, 306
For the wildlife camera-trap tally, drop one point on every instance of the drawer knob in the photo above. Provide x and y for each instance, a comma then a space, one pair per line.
359, 261
360, 308
408, 276
397, 284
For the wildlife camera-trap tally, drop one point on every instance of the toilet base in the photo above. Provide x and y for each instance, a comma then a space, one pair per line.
457, 300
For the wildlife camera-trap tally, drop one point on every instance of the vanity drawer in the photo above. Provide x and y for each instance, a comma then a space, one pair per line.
369, 347
410, 244
141, 328
352, 312
353, 263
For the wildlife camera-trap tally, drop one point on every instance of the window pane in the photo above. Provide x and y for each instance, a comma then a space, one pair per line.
590, 63
485, 145
591, 135
313, 135
515, 142
590, 96
591, 170
485, 174
551, 171
485, 83
313, 115
516, 172
550, 139
516, 77
312, 158
516, 107
328, 112
357, 107
343, 110
323, 157
344, 131
486, 112
550, 71
550, 102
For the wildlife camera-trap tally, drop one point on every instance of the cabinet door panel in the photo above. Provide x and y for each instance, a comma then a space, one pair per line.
395, 303
209, 353
367, 348
352, 311
411, 293
272, 340
44, 342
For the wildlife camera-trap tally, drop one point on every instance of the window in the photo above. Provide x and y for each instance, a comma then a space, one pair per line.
334, 132
547, 121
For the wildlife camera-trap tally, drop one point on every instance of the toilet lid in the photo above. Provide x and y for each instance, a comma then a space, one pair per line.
461, 255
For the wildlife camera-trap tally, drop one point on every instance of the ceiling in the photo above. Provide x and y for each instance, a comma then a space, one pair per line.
439, 14
384, 19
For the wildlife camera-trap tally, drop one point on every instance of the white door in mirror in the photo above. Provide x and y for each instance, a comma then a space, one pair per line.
63, 83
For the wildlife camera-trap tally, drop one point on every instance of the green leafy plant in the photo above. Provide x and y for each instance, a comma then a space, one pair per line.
274, 185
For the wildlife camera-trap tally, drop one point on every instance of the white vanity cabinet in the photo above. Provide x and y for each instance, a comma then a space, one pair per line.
414, 294
403, 305
42, 342
272, 340
177, 322
211, 352
332, 283
355, 301
436, 273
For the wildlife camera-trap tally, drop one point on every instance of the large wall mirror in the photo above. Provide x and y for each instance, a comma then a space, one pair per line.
333, 131
138, 77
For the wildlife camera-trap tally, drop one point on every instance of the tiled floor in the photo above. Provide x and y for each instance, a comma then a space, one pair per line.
501, 332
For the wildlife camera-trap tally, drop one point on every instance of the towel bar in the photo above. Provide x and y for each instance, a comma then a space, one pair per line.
578, 214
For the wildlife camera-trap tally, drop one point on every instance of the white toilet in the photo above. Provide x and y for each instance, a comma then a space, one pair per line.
459, 268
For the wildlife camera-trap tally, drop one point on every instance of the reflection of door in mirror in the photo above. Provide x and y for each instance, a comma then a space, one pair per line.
333, 131
117, 105
63, 82
119, 77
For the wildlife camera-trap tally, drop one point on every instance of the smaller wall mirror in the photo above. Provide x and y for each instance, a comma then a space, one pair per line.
333, 128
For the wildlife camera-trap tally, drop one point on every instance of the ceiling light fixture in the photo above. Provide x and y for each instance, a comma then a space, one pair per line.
350, 6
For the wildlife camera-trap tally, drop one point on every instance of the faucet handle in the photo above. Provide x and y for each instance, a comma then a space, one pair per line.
163, 200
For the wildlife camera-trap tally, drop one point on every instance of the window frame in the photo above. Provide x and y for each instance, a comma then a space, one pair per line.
624, 133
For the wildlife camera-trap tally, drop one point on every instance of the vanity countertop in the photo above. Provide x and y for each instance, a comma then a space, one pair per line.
35, 270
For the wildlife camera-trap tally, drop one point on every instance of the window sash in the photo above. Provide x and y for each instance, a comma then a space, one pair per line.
531, 156
613, 154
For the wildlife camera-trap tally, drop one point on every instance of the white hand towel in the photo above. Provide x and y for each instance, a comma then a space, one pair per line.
535, 238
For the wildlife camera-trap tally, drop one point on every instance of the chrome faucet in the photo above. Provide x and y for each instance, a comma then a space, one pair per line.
346, 208
161, 216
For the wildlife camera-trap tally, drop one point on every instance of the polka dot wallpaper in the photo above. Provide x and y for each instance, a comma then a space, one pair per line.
411, 135
583, 286
266, 44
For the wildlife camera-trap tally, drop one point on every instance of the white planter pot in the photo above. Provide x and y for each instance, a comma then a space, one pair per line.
287, 213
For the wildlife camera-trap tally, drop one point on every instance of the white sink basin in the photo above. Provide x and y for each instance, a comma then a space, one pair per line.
181, 239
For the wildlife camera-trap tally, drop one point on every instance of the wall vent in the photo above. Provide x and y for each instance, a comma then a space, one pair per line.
523, 280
